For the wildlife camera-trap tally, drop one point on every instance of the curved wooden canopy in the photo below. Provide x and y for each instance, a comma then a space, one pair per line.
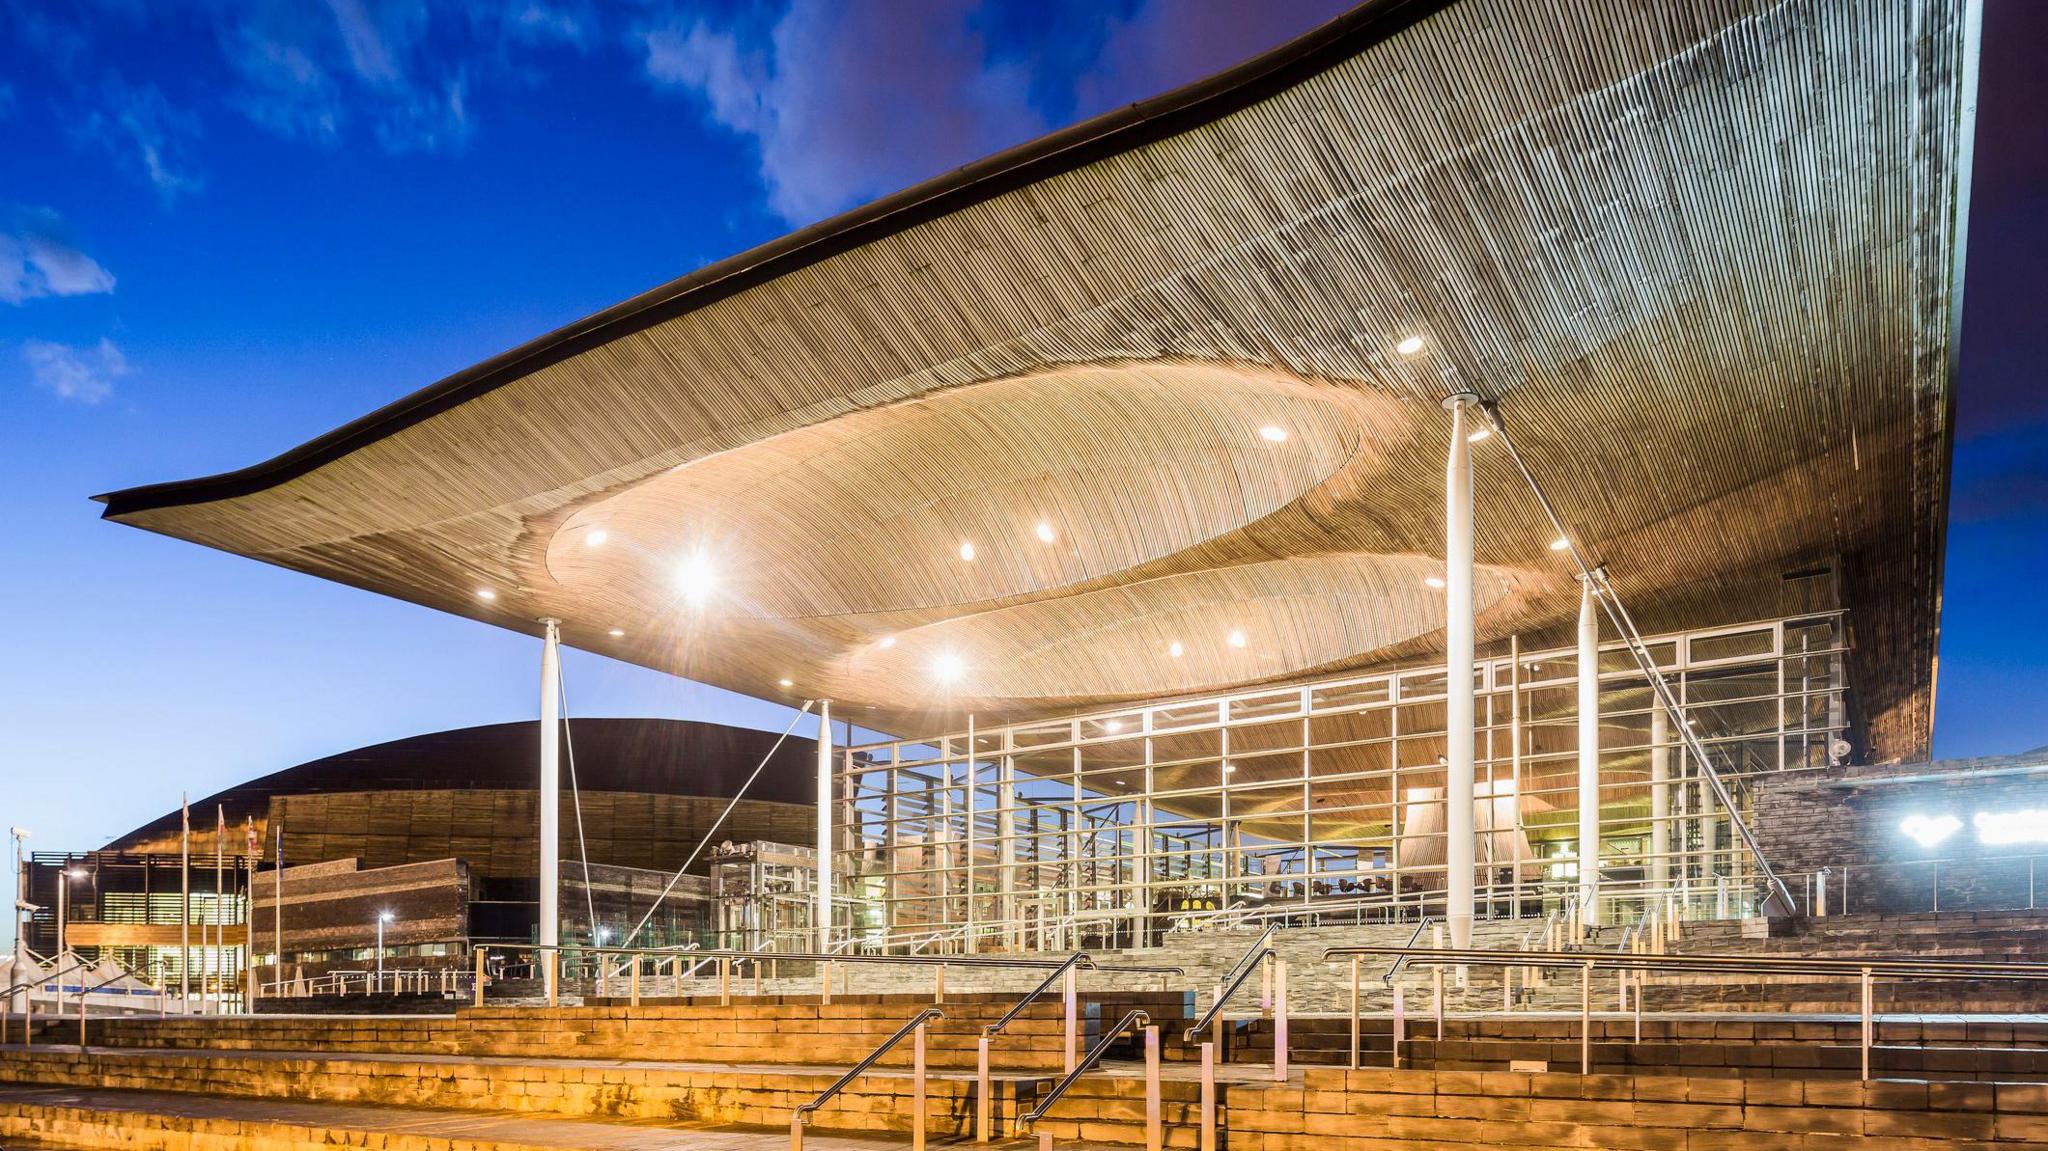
1704, 255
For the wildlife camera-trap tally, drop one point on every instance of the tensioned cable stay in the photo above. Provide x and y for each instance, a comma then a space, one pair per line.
576, 800
1617, 614
716, 824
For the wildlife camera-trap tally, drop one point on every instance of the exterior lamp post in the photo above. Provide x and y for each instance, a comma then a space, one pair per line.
383, 917
64, 879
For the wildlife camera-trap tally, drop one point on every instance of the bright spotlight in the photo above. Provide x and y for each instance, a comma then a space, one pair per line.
967, 550
616, 633
1434, 581
1478, 436
696, 578
1044, 531
1409, 346
1560, 544
596, 538
887, 641
786, 682
486, 594
1237, 639
948, 667
1273, 434
1175, 650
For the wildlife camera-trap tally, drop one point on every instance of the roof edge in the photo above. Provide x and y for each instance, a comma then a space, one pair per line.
1119, 130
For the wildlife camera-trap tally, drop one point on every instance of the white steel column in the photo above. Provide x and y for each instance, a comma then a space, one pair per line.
1589, 755
1660, 797
1460, 854
550, 792
825, 805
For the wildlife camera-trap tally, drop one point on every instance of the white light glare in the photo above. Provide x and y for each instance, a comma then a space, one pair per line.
1237, 639
695, 578
1560, 544
1434, 581
385, 916
1409, 346
1927, 831
967, 550
1997, 828
616, 632
1273, 434
1113, 725
485, 594
887, 641
948, 667
1174, 649
786, 682
1044, 531
1479, 436
596, 538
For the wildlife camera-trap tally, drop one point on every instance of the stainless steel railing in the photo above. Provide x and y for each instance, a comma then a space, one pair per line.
1865, 970
915, 1025
1135, 1017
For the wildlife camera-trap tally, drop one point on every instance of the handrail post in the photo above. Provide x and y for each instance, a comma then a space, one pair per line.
1586, 1018
1070, 993
477, 990
636, 979
725, 982
1436, 1004
825, 983
981, 1089
917, 1114
1216, 1026
1640, 978
1279, 1023
939, 986
1354, 1013
554, 970
1400, 1022
1154, 1136
1208, 1141
1266, 982
1863, 986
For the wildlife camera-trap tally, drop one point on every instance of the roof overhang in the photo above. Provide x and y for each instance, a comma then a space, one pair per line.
1705, 260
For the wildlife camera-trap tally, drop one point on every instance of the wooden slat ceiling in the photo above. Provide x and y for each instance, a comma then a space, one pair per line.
1703, 254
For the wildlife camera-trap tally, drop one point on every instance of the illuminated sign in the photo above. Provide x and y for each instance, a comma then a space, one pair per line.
1927, 831
2027, 825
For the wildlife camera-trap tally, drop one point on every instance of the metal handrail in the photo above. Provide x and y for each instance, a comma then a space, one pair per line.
30, 985
1246, 965
914, 960
1246, 958
1137, 1015
1730, 964
1076, 961
857, 1070
1394, 968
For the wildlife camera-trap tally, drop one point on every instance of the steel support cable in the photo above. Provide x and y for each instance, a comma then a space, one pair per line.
1618, 615
716, 824
576, 800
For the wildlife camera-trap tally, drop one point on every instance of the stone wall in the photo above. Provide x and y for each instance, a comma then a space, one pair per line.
1862, 818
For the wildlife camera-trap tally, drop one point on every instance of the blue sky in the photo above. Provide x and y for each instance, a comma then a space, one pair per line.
226, 228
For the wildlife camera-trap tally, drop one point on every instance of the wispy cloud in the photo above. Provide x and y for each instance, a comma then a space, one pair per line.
83, 374
37, 259
849, 100
148, 137
1166, 43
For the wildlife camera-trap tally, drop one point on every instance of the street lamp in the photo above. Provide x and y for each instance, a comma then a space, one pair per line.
383, 917
64, 878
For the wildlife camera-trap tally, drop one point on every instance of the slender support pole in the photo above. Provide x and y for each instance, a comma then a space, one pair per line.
1400, 1022
981, 1089
1069, 994
825, 983
1660, 800
1585, 1019
917, 1102
1641, 976
185, 907
825, 814
477, 984
1589, 756
635, 994
1208, 1138
725, 983
1354, 1013
1460, 846
551, 799
1869, 1021
939, 986
1436, 1000
1155, 1135
1279, 1022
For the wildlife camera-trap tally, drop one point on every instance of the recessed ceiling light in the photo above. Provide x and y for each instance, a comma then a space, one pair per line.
786, 682
486, 594
967, 550
695, 577
1229, 768
948, 667
616, 632
1409, 346
1559, 544
1273, 434
596, 538
1175, 650
1479, 435
1433, 581
1044, 531
886, 641
1237, 639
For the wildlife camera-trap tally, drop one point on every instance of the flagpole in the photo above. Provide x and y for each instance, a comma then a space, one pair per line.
185, 904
